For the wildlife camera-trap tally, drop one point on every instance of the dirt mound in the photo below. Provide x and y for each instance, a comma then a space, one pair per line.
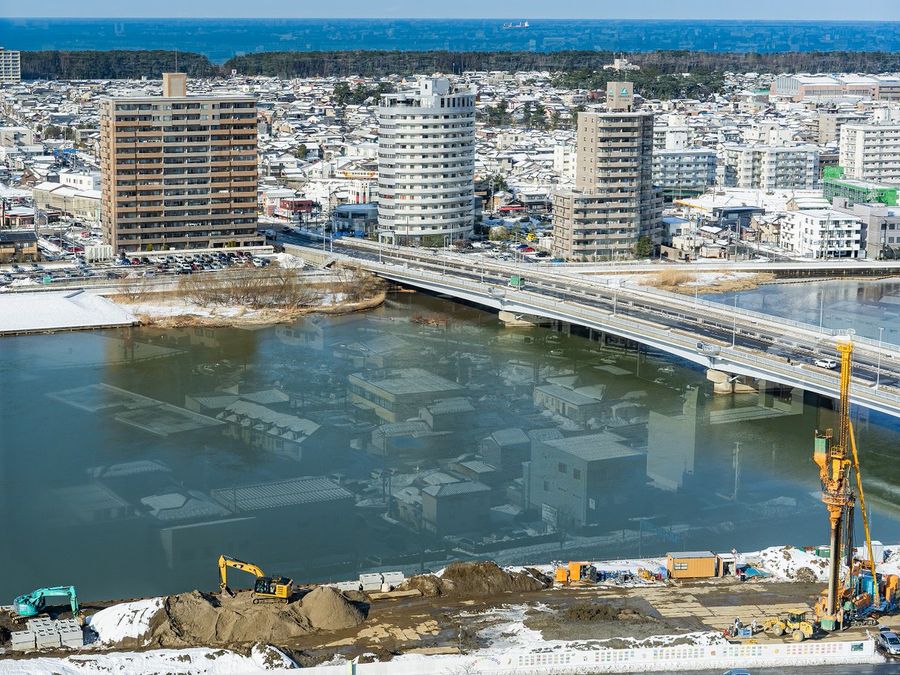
805, 575
200, 619
601, 611
328, 609
476, 578
427, 584
486, 578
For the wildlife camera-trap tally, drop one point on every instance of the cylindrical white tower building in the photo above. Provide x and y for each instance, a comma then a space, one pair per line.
426, 162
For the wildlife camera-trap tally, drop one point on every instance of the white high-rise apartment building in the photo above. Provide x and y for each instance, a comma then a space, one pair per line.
768, 167
426, 161
10, 66
872, 151
684, 173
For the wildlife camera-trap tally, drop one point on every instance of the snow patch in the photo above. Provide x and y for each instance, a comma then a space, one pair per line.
785, 563
198, 661
126, 620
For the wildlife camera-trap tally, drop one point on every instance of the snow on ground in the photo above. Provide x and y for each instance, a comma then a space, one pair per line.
891, 564
59, 310
784, 563
199, 661
125, 620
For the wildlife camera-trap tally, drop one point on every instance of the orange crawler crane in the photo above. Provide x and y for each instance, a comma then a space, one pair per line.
837, 494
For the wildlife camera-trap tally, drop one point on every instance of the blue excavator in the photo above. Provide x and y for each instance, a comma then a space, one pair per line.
32, 604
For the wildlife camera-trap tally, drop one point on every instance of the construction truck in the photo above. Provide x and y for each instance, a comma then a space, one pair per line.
265, 588
32, 604
794, 624
576, 572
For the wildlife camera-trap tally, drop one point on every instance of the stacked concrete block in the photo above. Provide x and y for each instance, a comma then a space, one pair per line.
23, 640
47, 638
45, 633
70, 633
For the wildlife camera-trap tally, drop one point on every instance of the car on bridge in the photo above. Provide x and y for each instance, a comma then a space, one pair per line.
829, 364
708, 349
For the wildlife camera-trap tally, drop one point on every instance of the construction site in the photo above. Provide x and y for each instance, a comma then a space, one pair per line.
779, 606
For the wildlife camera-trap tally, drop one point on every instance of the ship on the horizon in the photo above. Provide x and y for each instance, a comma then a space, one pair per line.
513, 26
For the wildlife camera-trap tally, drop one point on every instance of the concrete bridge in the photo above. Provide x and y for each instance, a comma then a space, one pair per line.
728, 341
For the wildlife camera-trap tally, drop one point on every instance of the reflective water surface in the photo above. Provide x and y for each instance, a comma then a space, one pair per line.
396, 439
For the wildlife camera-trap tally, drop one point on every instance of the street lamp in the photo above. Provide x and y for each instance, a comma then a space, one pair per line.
734, 326
878, 367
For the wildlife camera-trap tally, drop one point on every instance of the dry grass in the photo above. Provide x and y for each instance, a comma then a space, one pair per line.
676, 281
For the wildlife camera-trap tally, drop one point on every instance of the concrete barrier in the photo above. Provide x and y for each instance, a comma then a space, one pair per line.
587, 657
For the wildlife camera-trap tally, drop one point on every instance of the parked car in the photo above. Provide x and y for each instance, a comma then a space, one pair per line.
830, 364
888, 642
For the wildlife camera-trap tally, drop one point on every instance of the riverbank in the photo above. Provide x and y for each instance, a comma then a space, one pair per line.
692, 283
472, 615
173, 310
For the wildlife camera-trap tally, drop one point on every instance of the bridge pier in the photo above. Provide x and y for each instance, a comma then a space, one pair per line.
726, 383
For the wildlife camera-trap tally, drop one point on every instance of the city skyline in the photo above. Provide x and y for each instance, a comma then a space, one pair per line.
766, 10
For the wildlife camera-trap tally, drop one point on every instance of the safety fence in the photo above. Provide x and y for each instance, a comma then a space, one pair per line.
591, 657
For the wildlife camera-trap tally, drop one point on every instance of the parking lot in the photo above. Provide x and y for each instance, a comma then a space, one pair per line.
121, 267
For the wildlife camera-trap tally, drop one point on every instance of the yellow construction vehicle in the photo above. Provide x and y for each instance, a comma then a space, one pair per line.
794, 624
576, 572
265, 589
835, 462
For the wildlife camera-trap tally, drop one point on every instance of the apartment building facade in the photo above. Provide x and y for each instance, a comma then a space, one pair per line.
684, 173
614, 202
426, 162
822, 234
178, 171
871, 151
768, 167
10, 66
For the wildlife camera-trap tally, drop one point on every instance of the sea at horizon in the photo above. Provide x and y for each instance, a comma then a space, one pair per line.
220, 39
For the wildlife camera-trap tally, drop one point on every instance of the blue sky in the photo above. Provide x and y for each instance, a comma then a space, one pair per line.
531, 9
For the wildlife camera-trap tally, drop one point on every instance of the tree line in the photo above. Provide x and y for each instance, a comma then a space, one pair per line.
120, 64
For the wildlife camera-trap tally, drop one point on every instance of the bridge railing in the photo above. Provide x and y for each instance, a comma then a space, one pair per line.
628, 325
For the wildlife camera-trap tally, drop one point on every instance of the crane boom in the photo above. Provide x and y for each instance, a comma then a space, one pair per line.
862, 503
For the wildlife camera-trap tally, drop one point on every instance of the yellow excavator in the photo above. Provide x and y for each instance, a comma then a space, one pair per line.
265, 589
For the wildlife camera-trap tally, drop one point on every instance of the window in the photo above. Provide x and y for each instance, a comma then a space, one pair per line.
576, 474
680, 566
562, 468
546, 486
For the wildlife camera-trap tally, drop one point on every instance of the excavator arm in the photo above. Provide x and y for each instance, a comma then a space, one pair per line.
32, 604
226, 561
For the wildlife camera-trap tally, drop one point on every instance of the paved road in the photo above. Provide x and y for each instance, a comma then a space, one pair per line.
785, 344
857, 669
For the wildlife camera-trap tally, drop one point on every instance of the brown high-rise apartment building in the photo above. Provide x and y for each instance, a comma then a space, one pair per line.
178, 171
614, 202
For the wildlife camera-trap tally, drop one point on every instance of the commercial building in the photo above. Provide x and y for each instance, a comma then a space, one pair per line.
872, 151
684, 173
818, 87
614, 202
10, 66
396, 395
768, 167
178, 171
82, 205
579, 480
455, 508
822, 234
880, 227
859, 191
426, 161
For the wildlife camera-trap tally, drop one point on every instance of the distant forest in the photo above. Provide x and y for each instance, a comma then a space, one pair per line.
580, 66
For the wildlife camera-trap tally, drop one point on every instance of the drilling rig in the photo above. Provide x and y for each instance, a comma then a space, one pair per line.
835, 458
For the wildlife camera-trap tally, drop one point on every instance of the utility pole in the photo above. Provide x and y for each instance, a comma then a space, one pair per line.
878, 367
734, 326
736, 463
